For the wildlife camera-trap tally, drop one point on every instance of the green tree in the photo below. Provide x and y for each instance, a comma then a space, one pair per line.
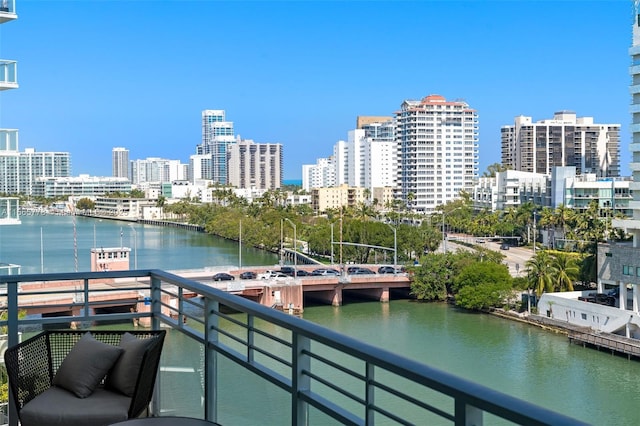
431, 278
565, 271
482, 285
539, 272
85, 204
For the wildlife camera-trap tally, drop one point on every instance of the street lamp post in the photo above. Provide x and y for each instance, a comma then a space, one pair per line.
395, 248
135, 247
332, 243
444, 235
534, 232
295, 247
240, 247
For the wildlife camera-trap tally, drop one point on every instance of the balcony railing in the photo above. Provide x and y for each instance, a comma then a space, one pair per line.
7, 10
306, 374
8, 74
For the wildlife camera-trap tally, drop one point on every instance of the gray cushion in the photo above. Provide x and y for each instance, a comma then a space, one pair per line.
85, 365
58, 407
124, 374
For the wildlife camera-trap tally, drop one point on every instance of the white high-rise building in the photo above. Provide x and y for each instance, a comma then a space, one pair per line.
157, 170
217, 135
199, 167
368, 159
120, 162
319, 175
8, 137
438, 151
563, 141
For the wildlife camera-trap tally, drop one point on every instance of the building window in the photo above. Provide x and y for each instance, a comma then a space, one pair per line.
627, 270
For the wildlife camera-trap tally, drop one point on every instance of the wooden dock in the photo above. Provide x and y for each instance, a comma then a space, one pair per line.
616, 344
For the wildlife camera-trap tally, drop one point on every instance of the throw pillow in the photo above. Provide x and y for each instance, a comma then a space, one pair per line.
85, 365
124, 374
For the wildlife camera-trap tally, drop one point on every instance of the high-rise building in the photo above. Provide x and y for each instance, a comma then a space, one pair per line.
438, 151
157, 170
8, 137
368, 158
319, 175
632, 225
563, 141
255, 165
120, 162
217, 135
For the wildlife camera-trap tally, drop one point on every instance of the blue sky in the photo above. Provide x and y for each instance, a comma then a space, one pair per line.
98, 74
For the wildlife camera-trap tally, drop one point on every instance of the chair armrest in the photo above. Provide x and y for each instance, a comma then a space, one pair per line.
147, 375
29, 369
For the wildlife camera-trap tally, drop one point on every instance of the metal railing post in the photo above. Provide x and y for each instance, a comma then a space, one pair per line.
212, 308
301, 382
12, 339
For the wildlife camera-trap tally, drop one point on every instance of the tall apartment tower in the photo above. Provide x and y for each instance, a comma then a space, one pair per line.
8, 137
632, 226
438, 151
255, 165
217, 135
563, 141
120, 163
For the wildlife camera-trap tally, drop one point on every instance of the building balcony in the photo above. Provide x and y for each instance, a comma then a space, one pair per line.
232, 350
8, 11
8, 74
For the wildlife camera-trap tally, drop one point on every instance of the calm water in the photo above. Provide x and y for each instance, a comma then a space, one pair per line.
526, 362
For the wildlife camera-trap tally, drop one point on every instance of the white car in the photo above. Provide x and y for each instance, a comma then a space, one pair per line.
267, 275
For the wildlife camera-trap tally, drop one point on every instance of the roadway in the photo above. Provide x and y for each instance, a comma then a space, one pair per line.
515, 257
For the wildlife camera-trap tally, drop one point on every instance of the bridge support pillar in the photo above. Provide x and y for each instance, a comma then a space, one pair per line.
336, 299
384, 295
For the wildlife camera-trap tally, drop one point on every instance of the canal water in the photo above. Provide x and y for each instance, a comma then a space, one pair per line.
526, 362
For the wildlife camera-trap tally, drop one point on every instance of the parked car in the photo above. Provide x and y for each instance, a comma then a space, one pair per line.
391, 270
272, 274
325, 272
361, 271
248, 275
302, 273
223, 276
288, 270
504, 246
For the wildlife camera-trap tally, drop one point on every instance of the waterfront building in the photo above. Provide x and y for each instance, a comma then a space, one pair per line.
319, 175
124, 208
120, 162
438, 151
564, 140
83, 186
199, 189
255, 165
217, 135
157, 170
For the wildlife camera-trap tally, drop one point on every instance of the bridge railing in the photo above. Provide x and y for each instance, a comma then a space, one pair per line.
254, 365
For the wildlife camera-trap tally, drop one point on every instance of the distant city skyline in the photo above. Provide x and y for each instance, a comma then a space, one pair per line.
299, 73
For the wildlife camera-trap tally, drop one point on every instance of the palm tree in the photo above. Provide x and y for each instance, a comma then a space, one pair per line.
539, 272
566, 271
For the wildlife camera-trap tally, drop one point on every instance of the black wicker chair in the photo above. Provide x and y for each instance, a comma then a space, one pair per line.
32, 366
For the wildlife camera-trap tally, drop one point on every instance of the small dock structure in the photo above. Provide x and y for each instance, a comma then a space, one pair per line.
616, 344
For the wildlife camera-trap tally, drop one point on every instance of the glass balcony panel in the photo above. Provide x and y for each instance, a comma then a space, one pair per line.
7, 10
8, 74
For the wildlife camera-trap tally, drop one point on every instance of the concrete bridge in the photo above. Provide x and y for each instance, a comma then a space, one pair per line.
52, 299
